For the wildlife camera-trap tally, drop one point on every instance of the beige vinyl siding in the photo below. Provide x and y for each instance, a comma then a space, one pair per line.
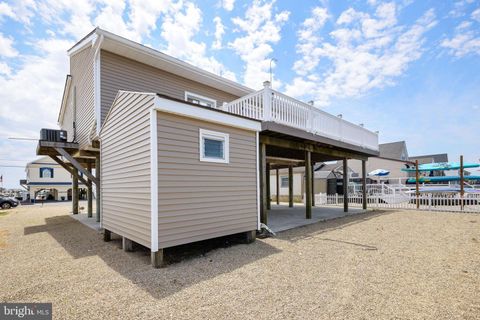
68, 116
125, 174
201, 200
120, 73
81, 69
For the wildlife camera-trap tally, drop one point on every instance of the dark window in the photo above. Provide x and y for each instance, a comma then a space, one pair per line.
284, 182
213, 148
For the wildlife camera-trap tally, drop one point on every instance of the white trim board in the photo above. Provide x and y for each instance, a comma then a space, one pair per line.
202, 113
153, 181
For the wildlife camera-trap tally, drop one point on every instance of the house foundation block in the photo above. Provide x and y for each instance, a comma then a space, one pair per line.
127, 244
158, 259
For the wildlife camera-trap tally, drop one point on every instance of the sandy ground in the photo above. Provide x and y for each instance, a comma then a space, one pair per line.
379, 265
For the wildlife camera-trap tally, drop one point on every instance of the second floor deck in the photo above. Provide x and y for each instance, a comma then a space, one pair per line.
273, 106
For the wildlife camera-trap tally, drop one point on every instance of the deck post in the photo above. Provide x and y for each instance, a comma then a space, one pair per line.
158, 259
313, 184
345, 185
364, 184
308, 185
290, 186
278, 186
269, 199
97, 187
417, 187
267, 101
263, 183
107, 235
89, 193
75, 191
127, 244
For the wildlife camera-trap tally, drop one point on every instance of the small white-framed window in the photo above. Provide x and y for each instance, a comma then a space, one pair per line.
214, 146
283, 182
201, 100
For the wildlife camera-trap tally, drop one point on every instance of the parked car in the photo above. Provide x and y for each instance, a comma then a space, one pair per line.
7, 202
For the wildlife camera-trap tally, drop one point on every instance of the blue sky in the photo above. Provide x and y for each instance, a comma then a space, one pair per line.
409, 69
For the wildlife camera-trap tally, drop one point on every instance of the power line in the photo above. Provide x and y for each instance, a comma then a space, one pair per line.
22, 138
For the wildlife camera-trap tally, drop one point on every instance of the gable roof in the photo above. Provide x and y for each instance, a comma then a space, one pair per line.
136, 51
429, 158
393, 150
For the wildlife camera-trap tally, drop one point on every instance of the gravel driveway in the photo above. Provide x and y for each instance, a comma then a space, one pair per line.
379, 265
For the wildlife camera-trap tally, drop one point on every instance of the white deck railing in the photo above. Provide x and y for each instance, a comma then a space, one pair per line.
270, 105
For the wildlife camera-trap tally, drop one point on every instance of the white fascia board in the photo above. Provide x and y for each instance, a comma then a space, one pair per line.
66, 92
153, 181
88, 41
96, 81
205, 114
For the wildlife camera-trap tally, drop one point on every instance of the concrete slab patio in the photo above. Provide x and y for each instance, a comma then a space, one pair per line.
281, 217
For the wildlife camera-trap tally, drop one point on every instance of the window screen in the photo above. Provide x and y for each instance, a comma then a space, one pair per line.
213, 148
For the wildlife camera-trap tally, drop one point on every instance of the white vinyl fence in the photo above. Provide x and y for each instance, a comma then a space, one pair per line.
429, 202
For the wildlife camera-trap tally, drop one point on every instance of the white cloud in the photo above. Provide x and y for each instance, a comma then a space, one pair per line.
228, 4
178, 29
363, 52
466, 38
5, 69
261, 29
6, 47
219, 32
476, 15
309, 40
20, 10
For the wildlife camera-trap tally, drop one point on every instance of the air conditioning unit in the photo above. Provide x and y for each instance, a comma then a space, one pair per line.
53, 135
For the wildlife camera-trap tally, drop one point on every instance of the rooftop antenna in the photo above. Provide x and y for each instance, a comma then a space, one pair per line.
271, 73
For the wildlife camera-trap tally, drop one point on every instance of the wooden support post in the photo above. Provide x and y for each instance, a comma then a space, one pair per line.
417, 187
75, 191
97, 187
158, 259
308, 185
364, 184
89, 193
107, 235
263, 183
278, 186
313, 184
462, 181
127, 244
290, 186
269, 198
250, 236
345, 185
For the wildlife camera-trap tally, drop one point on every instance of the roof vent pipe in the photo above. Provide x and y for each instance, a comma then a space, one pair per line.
340, 116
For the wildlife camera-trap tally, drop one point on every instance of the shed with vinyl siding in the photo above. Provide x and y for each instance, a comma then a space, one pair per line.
175, 173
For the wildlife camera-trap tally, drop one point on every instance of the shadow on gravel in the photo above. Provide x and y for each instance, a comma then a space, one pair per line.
315, 229
188, 264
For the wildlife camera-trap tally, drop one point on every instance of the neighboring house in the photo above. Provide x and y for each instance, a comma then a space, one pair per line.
48, 178
433, 158
392, 157
183, 153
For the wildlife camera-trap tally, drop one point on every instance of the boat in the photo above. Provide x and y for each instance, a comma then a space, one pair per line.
440, 166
